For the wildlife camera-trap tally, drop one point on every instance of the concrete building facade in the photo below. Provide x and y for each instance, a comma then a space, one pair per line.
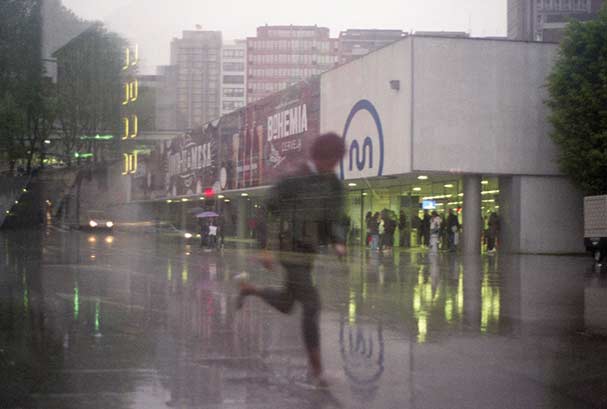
233, 76
545, 20
354, 43
197, 56
280, 56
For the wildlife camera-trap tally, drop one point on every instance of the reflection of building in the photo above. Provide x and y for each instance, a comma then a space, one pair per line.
280, 56
354, 43
233, 76
197, 57
544, 20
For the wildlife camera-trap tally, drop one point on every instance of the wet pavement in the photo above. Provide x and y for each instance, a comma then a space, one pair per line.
126, 321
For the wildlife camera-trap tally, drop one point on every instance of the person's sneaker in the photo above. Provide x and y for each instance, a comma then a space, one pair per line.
241, 281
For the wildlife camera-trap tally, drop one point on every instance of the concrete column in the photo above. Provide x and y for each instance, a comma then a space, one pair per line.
472, 214
241, 217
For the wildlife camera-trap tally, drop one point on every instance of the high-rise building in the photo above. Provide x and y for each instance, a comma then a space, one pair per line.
197, 56
354, 43
280, 56
233, 76
545, 20
166, 98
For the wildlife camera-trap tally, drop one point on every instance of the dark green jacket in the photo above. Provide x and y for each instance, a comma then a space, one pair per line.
309, 210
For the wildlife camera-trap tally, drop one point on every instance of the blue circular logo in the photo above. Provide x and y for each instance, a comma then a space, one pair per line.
357, 150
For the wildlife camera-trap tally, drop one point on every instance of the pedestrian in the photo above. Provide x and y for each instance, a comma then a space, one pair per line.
435, 226
305, 205
204, 233
493, 226
213, 230
425, 227
404, 238
416, 224
368, 217
389, 230
373, 228
452, 230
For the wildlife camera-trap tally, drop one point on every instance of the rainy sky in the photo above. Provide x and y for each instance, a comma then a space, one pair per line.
153, 23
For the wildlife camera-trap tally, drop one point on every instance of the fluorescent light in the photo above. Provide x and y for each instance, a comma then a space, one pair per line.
485, 182
244, 194
422, 177
169, 201
109, 224
417, 189
47, 141
93, 223
202, 198
227, 200
188, 235
351, 184
185, 199
448, 185
220, 196
365, 194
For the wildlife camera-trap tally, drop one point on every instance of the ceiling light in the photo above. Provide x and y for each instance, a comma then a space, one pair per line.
448, 185
422, 177
351, 184
417, 189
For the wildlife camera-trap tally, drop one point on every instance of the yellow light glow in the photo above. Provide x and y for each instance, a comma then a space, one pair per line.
127, 131
127, 59
92, 239
125, 164
135, 120
134, 162
136, 59
109, 239
422, 328
134, 89
127, 94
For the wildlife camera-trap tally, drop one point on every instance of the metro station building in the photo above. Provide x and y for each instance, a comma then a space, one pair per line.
456, 123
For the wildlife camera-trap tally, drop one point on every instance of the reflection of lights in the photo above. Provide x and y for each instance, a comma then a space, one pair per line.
422, 328
92, 239
184, 274
97, 313
460, 294
169, 271
188, 235
490, 304
109, 225
352, 307
76, 301
93, 223
449, 310
422, 177
109, 239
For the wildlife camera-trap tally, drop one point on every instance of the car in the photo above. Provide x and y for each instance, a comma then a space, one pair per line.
97, 221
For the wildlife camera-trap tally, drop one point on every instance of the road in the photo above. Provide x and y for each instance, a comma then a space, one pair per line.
140, 321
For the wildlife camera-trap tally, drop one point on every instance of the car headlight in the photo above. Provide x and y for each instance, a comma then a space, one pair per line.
188, 235
109, 224
93, 223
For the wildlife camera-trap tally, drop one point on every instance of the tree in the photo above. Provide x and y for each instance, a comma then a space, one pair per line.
89, 87
577, 89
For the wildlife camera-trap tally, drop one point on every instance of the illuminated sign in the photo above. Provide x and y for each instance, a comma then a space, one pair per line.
131, 92
129, 165
130, 127
131, 58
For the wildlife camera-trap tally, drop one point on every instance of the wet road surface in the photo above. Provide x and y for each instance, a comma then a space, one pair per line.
126, 321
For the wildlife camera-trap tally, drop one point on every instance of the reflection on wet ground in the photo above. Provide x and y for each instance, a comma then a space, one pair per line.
140, 322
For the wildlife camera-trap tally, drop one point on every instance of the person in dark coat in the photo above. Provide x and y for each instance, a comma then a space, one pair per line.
307, 206
404, 236
452, 229
425, 228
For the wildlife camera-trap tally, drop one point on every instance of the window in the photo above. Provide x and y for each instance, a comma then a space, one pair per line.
231, 105
233, 66
233, 92
233, 79
233, 53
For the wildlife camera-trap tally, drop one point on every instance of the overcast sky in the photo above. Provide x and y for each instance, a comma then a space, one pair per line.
153, 23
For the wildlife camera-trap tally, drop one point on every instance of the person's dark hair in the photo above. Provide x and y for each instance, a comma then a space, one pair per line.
328, 146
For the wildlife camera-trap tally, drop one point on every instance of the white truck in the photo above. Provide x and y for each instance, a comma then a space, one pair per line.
595, 226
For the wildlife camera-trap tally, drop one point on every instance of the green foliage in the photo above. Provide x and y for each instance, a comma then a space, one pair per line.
578, 99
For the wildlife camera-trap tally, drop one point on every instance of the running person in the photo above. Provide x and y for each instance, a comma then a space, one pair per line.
309, 207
